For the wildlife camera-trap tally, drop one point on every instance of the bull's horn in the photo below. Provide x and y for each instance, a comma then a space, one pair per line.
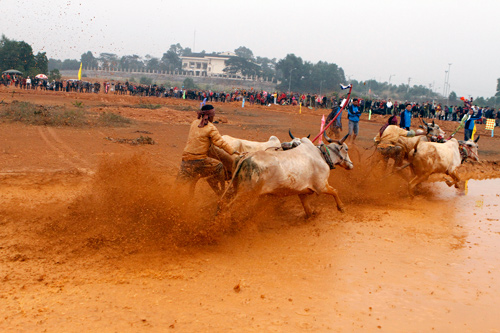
290, 133
433, 123
423, 122
309, 136
477, 139
327, 138
343, 139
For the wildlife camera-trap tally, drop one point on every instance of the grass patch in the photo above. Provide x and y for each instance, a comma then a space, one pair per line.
150, 106
31, 114
183, 107
111, 120
78, 104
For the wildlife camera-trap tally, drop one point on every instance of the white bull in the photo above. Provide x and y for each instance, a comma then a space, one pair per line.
299, 171
408, 143
242, 146
431, 158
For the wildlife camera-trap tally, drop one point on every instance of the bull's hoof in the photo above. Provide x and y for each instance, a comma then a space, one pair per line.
311, 215
341, 209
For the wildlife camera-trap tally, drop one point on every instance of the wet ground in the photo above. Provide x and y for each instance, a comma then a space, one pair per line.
93, 237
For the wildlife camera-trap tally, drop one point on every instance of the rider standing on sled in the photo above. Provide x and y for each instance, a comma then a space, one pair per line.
336, 127
195, 162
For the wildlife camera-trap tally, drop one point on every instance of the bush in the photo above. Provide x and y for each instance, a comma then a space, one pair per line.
150, 106
112, 119
188, 83
32, 114
146, 80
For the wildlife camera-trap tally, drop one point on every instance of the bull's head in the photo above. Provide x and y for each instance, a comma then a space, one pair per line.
338, 152
292, 144
473, 149
294, 138
433, 129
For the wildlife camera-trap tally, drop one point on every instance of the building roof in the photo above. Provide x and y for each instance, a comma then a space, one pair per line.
207, 55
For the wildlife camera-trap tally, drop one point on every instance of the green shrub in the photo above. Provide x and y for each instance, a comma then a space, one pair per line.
112, 120
32, 114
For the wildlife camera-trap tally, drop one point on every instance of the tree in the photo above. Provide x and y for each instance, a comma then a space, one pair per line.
290, 70
19, 55
146, 80
188, 83
15, 55
267, 67
131, 62
244, 52
70, 64
152, 63
498, 88
238, 65
54, 64
452, 97
171, 59
41, 63
88, 60
108, 60
54, 75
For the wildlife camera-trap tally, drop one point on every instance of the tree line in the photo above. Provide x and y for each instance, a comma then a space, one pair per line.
292, 72
19, 56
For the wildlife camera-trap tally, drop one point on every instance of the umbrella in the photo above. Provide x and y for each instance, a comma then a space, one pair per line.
41, 76
12, 71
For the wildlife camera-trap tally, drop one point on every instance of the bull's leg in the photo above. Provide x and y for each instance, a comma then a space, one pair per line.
305, 200
331, 191
415, 181
455, 177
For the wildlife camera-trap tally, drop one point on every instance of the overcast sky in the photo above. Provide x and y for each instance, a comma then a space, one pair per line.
369, 39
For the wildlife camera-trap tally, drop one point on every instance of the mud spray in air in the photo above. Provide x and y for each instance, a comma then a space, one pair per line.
130, 206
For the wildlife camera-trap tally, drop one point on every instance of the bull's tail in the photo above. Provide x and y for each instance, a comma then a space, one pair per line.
416, 145
234, 180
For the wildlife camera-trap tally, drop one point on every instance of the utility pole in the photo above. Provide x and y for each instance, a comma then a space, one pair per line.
444, 85
290, 80
194, 41
448, 80
390, 78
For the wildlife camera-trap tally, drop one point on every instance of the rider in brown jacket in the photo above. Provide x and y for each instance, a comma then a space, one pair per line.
195, 162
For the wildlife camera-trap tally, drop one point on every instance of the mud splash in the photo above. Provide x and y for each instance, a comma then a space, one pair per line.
129, 205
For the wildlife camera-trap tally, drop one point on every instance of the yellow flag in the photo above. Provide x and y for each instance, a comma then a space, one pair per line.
473, 132
300, 107
80, 72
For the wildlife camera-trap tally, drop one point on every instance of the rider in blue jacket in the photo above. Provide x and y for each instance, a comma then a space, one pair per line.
353, 113
469, 119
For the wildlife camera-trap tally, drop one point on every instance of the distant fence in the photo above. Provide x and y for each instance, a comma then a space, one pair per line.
162, 77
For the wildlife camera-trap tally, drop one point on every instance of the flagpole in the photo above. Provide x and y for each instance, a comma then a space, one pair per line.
338, 113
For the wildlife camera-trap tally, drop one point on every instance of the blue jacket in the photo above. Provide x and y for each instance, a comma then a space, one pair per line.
469, 124
405, 119
353, 113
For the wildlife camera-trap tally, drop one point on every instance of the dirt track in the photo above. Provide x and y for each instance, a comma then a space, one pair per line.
92, 236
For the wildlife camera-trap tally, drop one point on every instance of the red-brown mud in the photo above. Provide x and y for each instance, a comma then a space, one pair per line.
96, 236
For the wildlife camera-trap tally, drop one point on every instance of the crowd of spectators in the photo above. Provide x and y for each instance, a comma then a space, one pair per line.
427, 109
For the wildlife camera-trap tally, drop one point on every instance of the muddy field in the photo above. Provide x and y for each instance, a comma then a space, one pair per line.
94, 237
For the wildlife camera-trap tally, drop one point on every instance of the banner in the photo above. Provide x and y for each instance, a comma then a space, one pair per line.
490, 124
80, 73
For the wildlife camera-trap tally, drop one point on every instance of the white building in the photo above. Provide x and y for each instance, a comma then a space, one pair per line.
206, 64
